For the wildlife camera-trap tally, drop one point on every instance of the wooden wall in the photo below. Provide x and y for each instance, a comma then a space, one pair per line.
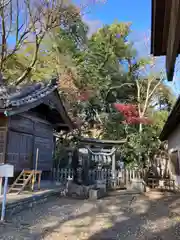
3, 137
26, 133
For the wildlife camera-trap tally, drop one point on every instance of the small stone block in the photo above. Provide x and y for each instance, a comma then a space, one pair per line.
96, 193
93, 194
138, 185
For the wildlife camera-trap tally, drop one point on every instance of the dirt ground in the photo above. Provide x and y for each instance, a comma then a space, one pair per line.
116, 217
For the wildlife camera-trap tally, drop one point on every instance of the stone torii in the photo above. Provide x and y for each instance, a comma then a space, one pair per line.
88, 142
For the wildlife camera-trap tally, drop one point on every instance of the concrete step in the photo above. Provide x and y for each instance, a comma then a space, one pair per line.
18, 204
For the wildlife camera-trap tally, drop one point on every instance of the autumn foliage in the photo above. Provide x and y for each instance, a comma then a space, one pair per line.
85, 95
131, 114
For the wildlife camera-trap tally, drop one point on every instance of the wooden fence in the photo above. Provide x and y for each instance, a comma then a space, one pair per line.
123, 177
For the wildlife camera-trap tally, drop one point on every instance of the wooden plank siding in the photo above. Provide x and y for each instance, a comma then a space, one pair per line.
43, 140
42, 130
45, 146
21, 124
19, 150
3, 133
25, 135
3, 138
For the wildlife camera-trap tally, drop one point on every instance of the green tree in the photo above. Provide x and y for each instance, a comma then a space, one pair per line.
101, 69
24, 33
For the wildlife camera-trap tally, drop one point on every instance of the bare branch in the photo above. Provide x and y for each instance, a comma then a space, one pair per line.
10, 20
30, 21
148, 96
3, 37
17, 22
4, 3
138, 96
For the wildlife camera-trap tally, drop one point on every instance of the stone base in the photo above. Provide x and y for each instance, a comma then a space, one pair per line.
95, 194
78, 191
101, 184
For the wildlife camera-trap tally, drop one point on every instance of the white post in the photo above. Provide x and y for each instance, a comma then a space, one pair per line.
37, 156
114, 170
36, 166
4, 199
0, 186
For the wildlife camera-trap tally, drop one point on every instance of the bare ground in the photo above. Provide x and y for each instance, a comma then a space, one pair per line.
116, 217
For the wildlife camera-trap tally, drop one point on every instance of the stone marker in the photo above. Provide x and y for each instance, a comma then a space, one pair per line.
137, 185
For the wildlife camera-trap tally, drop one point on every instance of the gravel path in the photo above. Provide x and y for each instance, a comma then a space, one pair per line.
116, 217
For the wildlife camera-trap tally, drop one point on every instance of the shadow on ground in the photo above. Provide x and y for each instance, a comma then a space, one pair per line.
146, 218
115, 217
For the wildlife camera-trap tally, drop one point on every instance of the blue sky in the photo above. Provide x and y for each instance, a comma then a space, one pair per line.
138, 12
125, 11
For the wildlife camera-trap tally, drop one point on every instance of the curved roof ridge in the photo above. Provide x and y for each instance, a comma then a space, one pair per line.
16, 96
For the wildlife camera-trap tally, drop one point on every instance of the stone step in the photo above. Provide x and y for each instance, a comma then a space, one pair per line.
15, 189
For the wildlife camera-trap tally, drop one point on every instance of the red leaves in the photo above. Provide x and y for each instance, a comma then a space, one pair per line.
130, 114
83, 96
128, 110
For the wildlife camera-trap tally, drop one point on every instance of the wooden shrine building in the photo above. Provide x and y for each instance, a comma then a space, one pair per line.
28, 117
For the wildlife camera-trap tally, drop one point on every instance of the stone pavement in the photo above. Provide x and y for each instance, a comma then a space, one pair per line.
119, 216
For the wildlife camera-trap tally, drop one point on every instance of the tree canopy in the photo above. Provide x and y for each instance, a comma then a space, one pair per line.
106, 87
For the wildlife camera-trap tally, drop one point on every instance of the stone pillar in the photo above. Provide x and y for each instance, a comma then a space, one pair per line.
74, 164
70, 154
85, 169
113, 170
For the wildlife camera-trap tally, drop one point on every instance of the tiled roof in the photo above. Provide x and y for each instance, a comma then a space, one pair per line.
17, 96
101, 141
14, 100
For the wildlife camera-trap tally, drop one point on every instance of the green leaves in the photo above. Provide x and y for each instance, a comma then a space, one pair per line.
107, 65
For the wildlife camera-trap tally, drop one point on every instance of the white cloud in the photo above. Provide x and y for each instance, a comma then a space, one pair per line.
93, 25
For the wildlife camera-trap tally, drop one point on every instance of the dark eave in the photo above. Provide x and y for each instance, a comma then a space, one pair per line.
172, 121
157, 26
93, 141
165, 34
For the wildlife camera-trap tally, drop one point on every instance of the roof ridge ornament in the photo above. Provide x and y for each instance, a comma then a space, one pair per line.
54, 81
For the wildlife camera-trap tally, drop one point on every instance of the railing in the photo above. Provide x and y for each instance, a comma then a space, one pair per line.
163, 184
123, 177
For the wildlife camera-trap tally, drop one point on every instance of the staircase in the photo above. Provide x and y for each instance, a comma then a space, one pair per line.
21, 181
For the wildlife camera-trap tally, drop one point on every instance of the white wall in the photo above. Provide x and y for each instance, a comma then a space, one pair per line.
174, 139
174, 144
